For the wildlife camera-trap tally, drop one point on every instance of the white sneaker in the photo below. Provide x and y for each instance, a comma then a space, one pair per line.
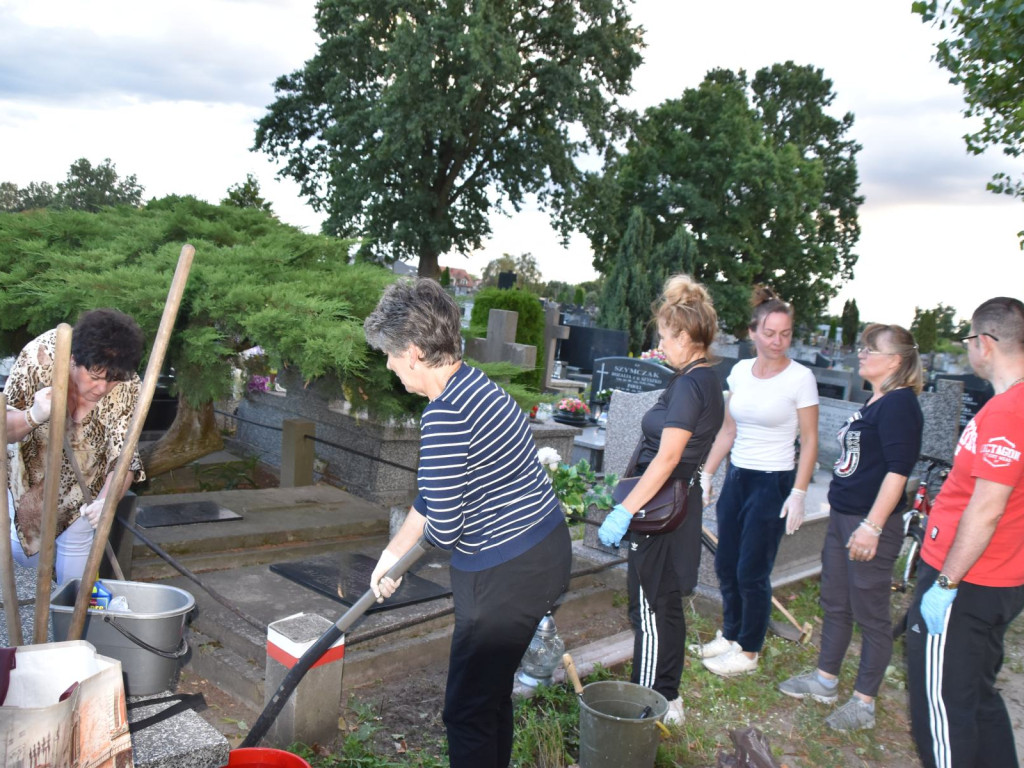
675, 714
717, 647
733, 663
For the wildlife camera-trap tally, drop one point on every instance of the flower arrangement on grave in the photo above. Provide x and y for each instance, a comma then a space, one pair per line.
603, 395
655, 355
577, 486
258, 383
573, 407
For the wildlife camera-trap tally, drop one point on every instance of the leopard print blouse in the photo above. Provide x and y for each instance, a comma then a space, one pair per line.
97, 442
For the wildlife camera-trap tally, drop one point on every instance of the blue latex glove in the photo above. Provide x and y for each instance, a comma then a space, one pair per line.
934, 605
614, 526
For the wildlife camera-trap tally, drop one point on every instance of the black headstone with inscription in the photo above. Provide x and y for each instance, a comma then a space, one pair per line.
629, 374
977, 392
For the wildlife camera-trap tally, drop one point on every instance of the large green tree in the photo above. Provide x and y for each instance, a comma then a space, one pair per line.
983, 53
850, 322
758, 173
86, 188
414, 120
524, 266
253, 281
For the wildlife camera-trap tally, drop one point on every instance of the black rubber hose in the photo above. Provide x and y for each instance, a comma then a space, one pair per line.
321, 646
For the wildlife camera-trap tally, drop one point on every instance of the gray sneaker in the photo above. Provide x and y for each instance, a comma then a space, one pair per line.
854, 715
801, 686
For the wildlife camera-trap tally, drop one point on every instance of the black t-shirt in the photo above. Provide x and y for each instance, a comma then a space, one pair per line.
691, 401
879, 438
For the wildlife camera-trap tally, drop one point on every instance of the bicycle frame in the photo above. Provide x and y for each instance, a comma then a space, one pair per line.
914, 521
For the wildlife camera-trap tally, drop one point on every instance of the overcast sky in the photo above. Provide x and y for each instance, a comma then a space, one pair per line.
170, 92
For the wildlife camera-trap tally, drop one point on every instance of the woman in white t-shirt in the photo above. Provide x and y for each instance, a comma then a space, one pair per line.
772, 400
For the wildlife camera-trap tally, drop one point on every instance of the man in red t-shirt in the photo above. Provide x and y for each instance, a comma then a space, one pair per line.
970, 584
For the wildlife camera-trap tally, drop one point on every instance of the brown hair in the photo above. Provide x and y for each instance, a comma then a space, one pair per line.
1003, 318
685, 305
909, 374
765, 302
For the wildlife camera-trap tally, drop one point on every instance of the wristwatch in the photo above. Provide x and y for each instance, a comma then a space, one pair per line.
944, 582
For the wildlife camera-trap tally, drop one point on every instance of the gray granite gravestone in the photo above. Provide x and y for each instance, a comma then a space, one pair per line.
500, 343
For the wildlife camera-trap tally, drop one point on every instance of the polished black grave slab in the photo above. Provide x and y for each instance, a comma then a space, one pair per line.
344, 577
185, 513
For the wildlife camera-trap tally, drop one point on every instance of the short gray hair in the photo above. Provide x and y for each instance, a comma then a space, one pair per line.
418, 312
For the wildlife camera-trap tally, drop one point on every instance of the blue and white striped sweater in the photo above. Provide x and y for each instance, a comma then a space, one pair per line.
482, 490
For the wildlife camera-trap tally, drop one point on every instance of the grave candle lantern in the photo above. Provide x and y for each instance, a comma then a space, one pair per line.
543, 655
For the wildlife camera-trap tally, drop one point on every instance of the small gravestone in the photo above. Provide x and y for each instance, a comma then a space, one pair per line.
839, 385
552, 333
976, 393
500, 342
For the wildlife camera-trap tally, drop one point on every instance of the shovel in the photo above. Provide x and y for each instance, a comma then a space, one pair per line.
798, 633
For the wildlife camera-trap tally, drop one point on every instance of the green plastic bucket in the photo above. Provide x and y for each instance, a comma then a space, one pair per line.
612, 734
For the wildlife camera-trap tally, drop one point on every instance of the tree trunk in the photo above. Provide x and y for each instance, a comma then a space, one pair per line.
428, 266
193, 434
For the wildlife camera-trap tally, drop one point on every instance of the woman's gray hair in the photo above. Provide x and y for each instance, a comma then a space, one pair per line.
418, 312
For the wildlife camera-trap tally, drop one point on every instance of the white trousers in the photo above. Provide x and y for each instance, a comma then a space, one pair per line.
72, 548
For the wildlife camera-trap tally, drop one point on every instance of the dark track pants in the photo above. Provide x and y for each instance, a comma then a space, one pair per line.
496, 614
958, 717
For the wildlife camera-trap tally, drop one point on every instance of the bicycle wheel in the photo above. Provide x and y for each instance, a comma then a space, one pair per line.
902, 594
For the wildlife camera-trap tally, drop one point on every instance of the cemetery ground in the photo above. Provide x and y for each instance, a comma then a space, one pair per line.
397, 722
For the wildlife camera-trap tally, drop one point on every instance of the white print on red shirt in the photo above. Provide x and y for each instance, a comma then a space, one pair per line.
1000, 452
968, 438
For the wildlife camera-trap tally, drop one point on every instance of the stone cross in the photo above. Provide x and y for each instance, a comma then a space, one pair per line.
499, 344
552, 333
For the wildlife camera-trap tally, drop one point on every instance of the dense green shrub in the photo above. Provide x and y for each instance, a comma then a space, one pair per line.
529, 329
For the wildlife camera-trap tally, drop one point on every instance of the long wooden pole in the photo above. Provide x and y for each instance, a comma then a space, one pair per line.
51, 480
7, 583
131, 441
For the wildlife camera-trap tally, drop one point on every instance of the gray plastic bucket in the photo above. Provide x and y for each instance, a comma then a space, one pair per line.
149, 640
612, 734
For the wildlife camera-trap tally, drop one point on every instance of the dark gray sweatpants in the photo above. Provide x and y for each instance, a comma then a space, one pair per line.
855, 591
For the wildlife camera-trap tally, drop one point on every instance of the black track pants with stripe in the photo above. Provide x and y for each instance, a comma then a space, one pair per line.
958, 717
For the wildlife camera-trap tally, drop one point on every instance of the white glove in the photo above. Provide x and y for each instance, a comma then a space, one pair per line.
40, 410
384, 587
93, 512
707, 493
793, 510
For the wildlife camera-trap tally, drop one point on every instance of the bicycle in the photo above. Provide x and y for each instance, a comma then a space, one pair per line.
915, 521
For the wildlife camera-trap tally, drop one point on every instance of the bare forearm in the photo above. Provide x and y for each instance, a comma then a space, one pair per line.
805, 467
408, 534
18, 425
720, 449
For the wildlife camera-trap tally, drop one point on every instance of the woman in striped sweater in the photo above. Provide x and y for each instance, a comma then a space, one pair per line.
484, 496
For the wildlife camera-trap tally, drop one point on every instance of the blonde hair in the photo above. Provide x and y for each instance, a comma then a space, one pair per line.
764, 302
686, 305
910, 373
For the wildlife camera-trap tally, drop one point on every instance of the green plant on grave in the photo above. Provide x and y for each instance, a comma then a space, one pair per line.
577, 487
227, 477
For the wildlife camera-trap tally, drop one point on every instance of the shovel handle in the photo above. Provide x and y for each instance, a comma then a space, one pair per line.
570, 672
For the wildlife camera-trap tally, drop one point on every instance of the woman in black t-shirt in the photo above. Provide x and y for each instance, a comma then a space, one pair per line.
677, 433
880, 445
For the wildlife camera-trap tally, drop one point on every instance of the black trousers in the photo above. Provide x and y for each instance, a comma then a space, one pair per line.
958, 718
496, 614
662, 569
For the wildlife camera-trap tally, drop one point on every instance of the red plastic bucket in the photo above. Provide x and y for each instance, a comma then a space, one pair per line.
258, 757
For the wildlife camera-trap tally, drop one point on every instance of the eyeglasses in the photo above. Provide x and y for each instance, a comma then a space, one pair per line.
966, 339
870, 351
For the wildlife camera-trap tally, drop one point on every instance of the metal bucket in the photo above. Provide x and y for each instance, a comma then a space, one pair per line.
612, 733
148, 640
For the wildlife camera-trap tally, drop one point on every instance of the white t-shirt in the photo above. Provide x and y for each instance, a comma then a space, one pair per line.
765, 414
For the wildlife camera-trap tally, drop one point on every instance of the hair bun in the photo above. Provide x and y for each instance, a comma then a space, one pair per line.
762, 294
683, 289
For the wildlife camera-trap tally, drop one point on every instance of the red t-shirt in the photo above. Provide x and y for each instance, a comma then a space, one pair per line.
990, 448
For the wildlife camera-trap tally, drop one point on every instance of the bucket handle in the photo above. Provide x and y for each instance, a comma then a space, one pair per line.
175, 654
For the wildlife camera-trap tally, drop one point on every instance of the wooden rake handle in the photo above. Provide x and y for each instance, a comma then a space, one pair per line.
131, 441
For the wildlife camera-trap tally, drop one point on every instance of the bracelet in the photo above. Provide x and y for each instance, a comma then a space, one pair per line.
798, 492
875, 529
32, 423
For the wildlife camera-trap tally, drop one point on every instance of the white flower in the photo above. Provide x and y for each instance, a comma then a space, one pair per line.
549, 458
